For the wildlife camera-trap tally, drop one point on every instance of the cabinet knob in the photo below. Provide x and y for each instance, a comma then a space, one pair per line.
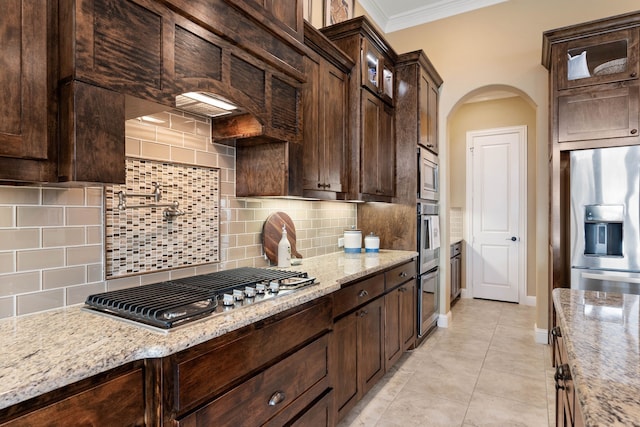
634, 74
363, 313
276, 398
429, 145
403, 274
634, 131
555, 331
402, 289
363, 293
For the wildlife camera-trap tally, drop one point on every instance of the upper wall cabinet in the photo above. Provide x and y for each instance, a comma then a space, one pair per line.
377, 71
603, 58
74, 71
372, 150
416, 119
594, 82
27, 76
326, 118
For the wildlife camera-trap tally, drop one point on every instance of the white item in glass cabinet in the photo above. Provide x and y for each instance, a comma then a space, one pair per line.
611, 67
577, 66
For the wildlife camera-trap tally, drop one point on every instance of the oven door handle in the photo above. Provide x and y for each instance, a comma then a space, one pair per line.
627, 279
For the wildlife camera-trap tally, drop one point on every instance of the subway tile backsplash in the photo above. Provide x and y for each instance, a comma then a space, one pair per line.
59, 258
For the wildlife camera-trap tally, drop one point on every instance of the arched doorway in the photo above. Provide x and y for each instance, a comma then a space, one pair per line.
495, 106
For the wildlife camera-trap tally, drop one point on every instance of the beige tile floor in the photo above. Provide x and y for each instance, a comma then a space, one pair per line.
484, 370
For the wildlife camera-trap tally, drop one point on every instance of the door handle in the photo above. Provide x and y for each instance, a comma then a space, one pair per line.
513, 238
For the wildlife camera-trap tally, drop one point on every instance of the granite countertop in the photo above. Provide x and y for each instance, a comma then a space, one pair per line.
45, 351
601, 334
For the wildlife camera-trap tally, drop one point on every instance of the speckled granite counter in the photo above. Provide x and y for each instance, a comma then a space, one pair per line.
45, 351
601, 332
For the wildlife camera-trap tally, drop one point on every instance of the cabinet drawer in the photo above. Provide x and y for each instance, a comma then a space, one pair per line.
118, 400
357, 294
270, 393
208, 369
400, 274
456, 249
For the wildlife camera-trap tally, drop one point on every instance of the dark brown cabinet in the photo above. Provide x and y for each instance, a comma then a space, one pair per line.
372, 148
269, 372
358, 341
112, 398
400, 312
417, 105
27, 111
455, 264
377, 173
606, 57
594, 103
568, 412
377, 72
610, 112
326, 119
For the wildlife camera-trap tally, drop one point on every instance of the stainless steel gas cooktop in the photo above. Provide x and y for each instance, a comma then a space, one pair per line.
169, 304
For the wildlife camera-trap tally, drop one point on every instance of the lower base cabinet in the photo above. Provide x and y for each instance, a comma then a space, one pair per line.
112, 398
358, 356
568, 412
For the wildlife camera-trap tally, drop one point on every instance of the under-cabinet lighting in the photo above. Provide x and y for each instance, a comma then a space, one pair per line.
151, 119
211, 101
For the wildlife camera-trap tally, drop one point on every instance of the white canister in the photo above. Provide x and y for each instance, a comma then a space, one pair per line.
352, 241
372, 243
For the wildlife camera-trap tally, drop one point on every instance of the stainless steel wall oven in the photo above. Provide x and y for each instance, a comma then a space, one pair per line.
428, 261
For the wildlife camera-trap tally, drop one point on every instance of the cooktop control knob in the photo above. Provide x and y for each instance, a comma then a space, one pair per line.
250, 292
238, 294
261, 288
228, 300
274, 287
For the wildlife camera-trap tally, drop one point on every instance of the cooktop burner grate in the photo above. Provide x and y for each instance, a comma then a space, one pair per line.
167, 304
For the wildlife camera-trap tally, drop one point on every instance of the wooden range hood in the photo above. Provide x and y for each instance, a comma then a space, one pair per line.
126, 58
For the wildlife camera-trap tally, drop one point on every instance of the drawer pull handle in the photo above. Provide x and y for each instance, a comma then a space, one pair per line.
276, 398
634, 131
634, 74
555, 331
403, 274
363, 293
363, 313
402, 289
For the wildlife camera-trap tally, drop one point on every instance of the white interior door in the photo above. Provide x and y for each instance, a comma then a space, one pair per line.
496, 186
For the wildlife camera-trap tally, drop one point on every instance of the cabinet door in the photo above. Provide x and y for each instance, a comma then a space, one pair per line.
370, 344
392, 327
371, 114
428, 113
324, 127
344, 363
603, 58
109, 401
386, 153
378, 147
408, 316
23, 80
334, 126
609, 113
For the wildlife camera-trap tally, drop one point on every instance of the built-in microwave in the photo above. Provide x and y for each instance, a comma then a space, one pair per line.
428, 179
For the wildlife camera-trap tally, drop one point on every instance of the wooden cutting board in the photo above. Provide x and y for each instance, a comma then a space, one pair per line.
272, 233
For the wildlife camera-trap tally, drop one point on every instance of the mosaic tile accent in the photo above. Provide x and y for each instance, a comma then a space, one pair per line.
142, 240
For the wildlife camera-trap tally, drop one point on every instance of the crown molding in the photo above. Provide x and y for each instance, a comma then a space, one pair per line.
431, 12
375, 12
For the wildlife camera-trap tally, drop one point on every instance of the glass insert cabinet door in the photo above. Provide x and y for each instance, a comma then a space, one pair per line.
603, 58
377, 74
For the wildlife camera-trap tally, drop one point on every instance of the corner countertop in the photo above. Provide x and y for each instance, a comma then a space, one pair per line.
46, 351
601, 334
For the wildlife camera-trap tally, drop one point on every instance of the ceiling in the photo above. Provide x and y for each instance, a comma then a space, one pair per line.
394, 15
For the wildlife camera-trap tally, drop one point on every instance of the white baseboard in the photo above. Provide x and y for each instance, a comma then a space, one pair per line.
542, 335
444, 320
464, 293
529, 300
